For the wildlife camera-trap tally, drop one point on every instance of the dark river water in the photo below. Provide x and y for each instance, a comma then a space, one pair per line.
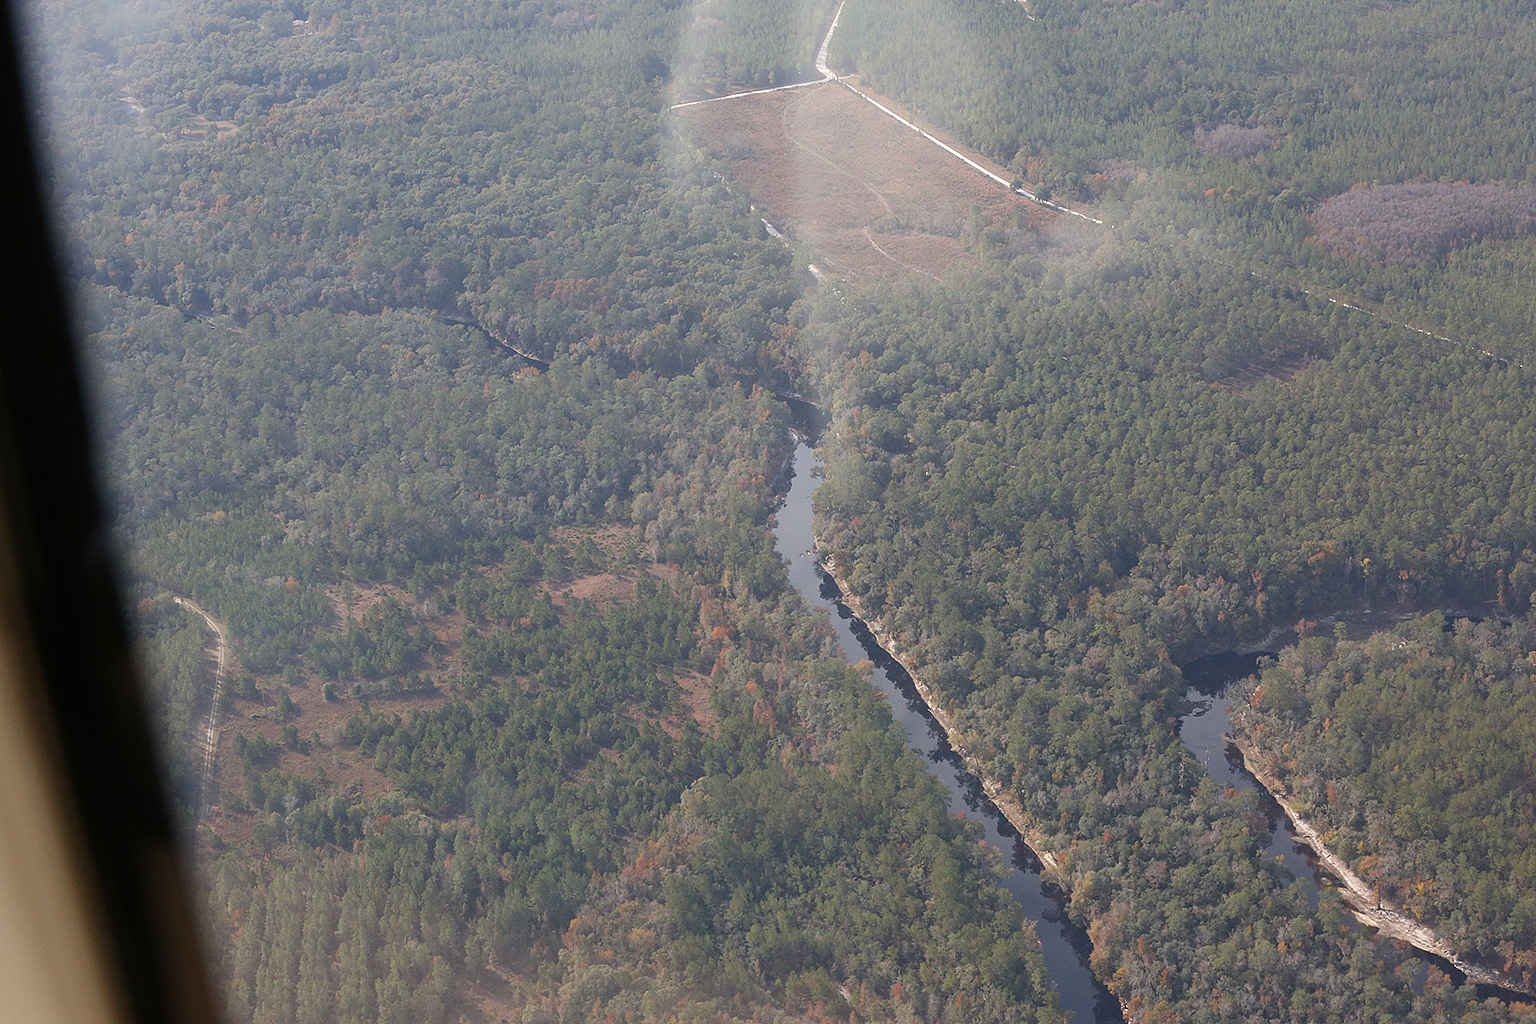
1065, 947
1203, 728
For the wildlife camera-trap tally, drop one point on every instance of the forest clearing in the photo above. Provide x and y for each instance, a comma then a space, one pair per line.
879, 202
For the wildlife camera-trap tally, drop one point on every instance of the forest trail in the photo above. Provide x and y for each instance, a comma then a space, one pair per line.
784, 120
821, 55
876, 246
952, 151
1384, 318
1344, 303
740, 95
211, 732
831, 76
827, 74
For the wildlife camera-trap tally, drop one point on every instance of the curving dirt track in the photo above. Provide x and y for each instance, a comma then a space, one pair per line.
211, 731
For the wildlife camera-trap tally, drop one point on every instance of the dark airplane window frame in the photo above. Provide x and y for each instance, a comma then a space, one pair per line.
63, 613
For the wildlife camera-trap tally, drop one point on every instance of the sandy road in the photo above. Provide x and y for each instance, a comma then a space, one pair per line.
821, 55
211, 732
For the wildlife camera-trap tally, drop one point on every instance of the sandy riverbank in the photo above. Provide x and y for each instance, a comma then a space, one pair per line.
1363, 901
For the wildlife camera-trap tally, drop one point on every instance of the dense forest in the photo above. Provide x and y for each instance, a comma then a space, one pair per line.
436, 366
448, 780
1050, 495
542, 825
1226, 128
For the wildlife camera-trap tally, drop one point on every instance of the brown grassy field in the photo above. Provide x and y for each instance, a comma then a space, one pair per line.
875, 200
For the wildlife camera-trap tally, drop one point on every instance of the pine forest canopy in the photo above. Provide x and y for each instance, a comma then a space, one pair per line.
528, 722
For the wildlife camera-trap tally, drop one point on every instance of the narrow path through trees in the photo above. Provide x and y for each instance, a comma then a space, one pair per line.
211, 732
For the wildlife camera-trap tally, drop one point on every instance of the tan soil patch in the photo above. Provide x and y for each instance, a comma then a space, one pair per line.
200, 129
496, 996
610, 538
695, 692
604, 588
342, 766
1281, 369
364, 598
876, 200
344, 769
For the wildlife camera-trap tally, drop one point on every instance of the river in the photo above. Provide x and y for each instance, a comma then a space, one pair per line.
1065, 947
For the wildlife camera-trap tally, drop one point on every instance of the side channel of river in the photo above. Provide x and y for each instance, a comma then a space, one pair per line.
1205, 729
1065, 947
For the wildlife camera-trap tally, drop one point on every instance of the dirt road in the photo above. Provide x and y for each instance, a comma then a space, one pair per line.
211, 732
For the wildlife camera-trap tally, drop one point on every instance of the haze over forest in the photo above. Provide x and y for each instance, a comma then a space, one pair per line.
447, 364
